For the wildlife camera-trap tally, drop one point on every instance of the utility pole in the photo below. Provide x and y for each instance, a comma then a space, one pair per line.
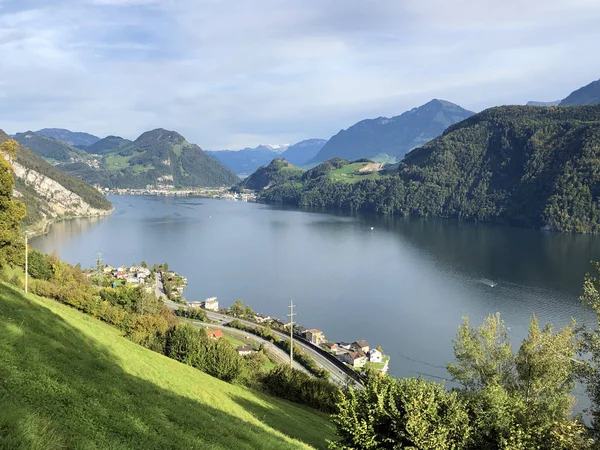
26, 264
99, 262
291, 316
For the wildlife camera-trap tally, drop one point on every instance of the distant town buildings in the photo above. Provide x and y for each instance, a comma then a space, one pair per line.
244, 350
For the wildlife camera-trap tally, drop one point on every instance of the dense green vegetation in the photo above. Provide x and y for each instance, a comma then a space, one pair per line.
11, 211
156, 158
504, 400
71, 381
107, 145
525, 166
391, 138
50, 148
75, 138
279, 171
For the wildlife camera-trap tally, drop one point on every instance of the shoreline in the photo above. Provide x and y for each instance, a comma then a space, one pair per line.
42, 228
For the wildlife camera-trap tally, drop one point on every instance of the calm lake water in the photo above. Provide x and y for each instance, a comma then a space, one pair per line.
402, 284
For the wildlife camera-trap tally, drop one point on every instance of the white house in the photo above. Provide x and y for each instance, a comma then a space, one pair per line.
375, 356
244, 350
211, 304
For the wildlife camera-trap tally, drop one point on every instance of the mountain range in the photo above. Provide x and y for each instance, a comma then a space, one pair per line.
586, 95
49, 193
159, 158
74, 138
389, 139
517, 165
247, 160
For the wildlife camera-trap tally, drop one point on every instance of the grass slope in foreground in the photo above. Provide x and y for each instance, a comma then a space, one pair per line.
70, 381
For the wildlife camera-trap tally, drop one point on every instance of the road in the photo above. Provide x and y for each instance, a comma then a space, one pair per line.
159, 288
276, 352
337, 376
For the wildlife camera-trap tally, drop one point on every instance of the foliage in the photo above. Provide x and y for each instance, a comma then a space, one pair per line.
589, 370
279, 171
297, 386
518, 400
524, 166
157, 157
39, 265
401, 413
69, 381
49, 148
11, 211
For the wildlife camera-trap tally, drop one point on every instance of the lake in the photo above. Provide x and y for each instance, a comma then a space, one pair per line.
400, 283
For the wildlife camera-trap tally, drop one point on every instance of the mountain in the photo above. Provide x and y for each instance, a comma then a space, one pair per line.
74, 138
107, 145
50, 148
587, 95
243, 162
533, 103
158, 158
49, 193
392, 138
279, 171
303, 151
518, 165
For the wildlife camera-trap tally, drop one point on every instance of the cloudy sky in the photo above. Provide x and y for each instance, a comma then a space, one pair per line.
236, 73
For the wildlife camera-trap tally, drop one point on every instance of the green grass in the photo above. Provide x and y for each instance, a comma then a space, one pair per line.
116, 162
350, 173
70, 381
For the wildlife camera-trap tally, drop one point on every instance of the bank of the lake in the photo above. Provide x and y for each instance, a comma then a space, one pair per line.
401, 283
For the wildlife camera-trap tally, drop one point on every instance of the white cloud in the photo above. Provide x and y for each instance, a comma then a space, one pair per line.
235, 74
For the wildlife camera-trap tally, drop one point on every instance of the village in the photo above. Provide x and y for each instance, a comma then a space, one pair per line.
358, 355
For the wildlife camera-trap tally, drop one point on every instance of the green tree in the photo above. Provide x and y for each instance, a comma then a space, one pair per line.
523, 400
237, 309
11, 211
401, 413
144, 264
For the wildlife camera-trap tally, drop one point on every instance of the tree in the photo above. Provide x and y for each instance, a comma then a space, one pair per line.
237, 309
401, 413
11, 211
523, 400
589, 371
144, 264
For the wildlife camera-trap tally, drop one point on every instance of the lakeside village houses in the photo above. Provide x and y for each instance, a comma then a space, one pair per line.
133, 274
356, 354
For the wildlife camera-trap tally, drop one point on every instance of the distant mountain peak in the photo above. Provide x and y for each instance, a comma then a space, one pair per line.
391, 138
75, 138
160, 134
586, 95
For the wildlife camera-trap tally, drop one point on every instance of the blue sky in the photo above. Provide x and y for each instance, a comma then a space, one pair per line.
231, 74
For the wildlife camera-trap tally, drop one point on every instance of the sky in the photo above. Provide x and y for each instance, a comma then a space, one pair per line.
239, 73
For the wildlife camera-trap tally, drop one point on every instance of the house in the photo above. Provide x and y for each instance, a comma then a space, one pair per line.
261, 318
299, 330
132, 280
194, 304
375, 356
315, 336
120, 274
134, 269
355, 359
215, 335
108, 270
276, 323
362, 346
331, 346
211, 304
244, 350
344, 345
122, 269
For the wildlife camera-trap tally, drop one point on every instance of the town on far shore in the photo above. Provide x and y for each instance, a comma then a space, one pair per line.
357, 354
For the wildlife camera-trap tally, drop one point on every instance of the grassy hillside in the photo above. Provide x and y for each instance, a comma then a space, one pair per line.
70, 381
